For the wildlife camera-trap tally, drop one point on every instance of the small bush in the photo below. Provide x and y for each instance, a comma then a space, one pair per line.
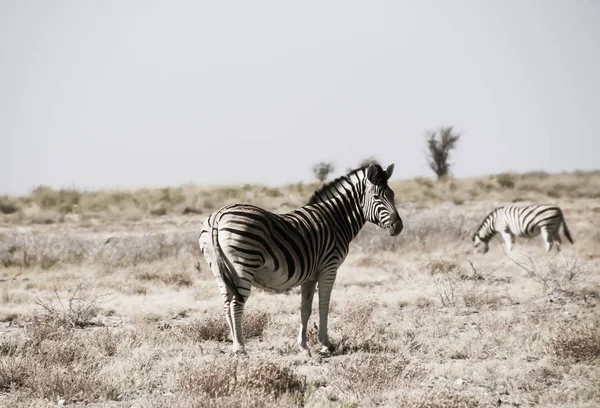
576, 344
77, 310
368, 373
226, 378
8, 207
505, 180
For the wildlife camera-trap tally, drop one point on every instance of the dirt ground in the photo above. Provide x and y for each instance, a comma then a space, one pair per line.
115, 311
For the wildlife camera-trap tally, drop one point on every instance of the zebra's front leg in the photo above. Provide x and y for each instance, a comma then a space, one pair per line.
325, 287
509, 239
308, 293
548, 238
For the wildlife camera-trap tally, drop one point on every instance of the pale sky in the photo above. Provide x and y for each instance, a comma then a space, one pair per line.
97, 94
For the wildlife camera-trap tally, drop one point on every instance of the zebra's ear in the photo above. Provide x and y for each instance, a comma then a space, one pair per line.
372, 173
389, 171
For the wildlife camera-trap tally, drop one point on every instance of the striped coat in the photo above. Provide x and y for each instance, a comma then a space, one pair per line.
247, 246
522, 221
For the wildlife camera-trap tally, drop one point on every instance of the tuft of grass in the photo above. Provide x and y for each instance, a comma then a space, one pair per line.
215, 328
365, 374
227, 377
576, 344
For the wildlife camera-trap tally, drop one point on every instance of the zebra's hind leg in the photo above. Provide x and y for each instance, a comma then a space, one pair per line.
308, 292
557, 241
227, 298
237, 311
325, 287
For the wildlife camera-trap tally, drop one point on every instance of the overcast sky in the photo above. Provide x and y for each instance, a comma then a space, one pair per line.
140, 93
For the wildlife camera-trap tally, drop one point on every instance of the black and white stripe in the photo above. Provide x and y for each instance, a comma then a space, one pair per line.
525, 221
248, 246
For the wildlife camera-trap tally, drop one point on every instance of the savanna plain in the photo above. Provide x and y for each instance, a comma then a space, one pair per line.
106, 301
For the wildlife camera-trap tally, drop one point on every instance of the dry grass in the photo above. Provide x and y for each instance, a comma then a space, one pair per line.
105, 300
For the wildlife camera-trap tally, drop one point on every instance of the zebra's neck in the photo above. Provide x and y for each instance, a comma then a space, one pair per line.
343, 198
487, 230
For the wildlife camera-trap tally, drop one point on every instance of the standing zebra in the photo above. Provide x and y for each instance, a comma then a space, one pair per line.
526, 222
246, 246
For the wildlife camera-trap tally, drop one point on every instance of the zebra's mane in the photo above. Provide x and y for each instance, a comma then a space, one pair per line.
329, 189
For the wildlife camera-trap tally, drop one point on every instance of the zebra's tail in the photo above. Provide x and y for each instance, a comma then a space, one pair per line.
225, 268
566, 230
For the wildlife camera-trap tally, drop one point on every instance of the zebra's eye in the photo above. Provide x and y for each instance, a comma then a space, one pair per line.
376, 197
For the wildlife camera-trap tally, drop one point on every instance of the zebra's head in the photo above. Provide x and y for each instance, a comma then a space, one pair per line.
378, 205
481, 246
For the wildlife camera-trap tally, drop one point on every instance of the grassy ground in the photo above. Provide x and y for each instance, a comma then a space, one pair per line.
105, 300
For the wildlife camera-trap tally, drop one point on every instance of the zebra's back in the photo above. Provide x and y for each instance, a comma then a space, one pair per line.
528, 221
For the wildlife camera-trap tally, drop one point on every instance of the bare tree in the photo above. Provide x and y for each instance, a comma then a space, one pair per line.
439, 146
322, 170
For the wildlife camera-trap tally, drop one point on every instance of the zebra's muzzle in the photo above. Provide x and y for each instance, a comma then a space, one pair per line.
395, 227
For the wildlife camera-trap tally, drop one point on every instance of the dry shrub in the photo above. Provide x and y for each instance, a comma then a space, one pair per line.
541, 378
505, 180
444, 399
575, 344
272, 378
30, 249
453, 284
178, 276
77, 310
65, 366
78, 383
254, 323
229, 377
212, 328
365, 374
358, 331
7, 206
215, 328
14, 372
553, 275
445, 276
441, 266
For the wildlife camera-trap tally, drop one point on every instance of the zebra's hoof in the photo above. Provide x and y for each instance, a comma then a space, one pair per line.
327, 349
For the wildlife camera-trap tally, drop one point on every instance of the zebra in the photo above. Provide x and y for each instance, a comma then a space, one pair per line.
245, 245
523, 221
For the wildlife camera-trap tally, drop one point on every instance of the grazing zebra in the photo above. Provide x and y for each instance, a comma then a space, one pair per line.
246, 246
528, 222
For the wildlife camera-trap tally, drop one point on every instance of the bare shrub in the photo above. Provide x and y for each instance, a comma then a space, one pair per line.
552, 275
575, 344
444, 274
453, 284
77, 310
